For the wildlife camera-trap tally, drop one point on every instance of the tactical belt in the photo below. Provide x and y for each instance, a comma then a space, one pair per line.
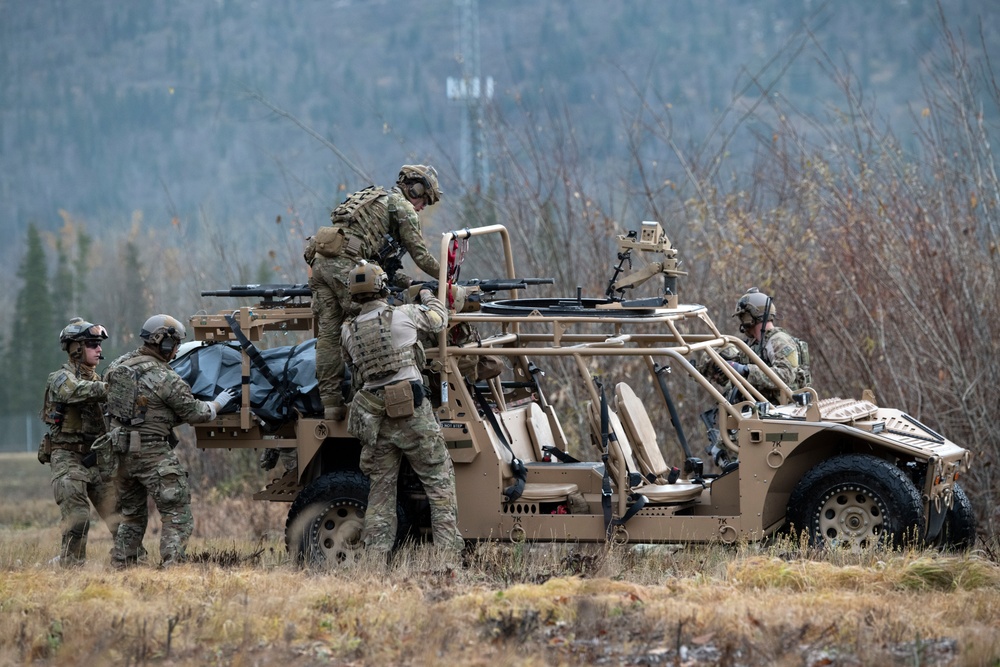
419, 392
75, 447
150, 438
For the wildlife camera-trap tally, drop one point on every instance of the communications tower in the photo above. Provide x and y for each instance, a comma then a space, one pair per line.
473, 91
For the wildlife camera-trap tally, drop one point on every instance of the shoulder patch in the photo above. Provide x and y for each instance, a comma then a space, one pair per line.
59, 380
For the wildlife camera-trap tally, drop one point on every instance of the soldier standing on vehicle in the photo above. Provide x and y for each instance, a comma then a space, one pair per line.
73, 411
146, 400
787, 356
390, 414
372, 224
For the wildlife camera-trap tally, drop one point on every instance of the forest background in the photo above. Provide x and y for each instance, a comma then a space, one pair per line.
837, 155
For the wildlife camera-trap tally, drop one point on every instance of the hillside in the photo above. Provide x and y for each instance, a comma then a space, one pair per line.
107, 108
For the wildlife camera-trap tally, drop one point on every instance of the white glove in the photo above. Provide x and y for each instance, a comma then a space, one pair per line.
224, 397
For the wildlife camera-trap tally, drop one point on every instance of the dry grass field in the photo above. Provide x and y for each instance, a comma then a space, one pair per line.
241, 603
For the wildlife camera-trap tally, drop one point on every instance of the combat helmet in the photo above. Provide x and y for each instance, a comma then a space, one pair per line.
80, 331
419, 180
367, 279
753, 307
163, 332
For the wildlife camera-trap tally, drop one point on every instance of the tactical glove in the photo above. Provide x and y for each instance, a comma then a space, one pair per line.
742, 369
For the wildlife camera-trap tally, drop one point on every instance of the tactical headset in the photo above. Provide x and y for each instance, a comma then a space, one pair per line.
417, 187
164, 332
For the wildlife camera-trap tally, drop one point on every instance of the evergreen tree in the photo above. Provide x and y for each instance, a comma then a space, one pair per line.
131, 300
32, 352
81, 264
64, 296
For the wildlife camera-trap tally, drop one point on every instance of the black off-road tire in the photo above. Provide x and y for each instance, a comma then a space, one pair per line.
959, 530
857, 501
326, 520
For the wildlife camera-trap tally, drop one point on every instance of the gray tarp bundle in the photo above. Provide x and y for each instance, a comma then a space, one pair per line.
211, 368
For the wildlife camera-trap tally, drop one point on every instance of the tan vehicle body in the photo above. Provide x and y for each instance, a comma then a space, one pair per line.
776, 446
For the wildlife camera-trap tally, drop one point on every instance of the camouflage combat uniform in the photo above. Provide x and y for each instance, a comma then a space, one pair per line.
781, 354
390, 214
381, 346
76, 393
147, 464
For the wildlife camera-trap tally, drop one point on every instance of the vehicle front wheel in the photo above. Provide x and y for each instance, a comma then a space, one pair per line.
959, 529
856, 501
326, 521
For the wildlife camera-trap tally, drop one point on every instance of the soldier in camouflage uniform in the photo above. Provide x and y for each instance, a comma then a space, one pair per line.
363, 227
775, 346
146, 400
390, 414
73, 411
786, 355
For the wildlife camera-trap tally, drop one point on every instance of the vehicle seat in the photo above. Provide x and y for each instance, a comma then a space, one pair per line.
515, 422
543, 435
622, 461
641, 433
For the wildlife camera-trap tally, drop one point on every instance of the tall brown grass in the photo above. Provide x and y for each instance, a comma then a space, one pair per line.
240, 601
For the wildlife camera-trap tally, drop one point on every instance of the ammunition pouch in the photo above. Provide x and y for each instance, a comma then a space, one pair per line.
127, 442
399, 399
369, 402
45, 450
329, 241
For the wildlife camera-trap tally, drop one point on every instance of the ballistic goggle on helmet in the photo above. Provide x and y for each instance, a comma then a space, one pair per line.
160, 328
79, 330
367, 278
419, 180
752, 306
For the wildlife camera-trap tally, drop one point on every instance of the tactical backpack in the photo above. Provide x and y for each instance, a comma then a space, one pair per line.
333, 241
125, 403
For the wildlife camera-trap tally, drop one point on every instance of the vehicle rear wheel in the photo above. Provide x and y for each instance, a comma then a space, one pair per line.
326, 521
959, 529
856, 501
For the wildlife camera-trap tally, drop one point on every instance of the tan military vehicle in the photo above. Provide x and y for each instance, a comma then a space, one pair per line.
848, 472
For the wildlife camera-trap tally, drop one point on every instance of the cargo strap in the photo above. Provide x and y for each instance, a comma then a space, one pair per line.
514, 491
287, 397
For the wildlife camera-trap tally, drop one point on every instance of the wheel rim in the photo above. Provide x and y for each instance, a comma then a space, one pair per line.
335, 535
851, 516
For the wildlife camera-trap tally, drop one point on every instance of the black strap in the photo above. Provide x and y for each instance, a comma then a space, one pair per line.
514, 491
258, 361
606, 480
638, 500
563, 457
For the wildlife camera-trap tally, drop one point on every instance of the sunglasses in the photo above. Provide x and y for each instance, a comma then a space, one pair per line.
92, 344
